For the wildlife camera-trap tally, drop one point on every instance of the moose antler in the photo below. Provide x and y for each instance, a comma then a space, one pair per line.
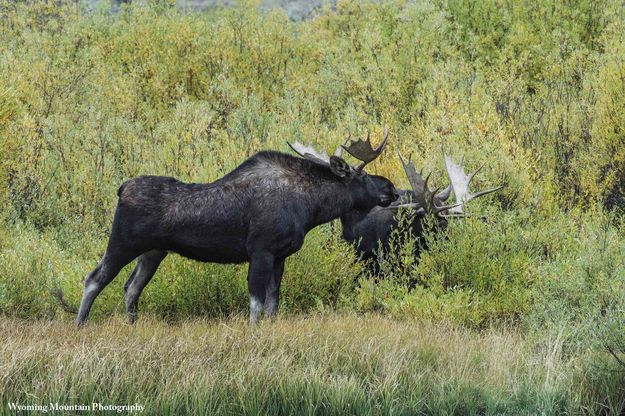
424, 197
460, 184
360, 149
363, 151
310, 153
444, 194
417, 183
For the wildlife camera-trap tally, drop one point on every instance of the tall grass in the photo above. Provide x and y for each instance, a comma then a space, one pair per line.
299, 365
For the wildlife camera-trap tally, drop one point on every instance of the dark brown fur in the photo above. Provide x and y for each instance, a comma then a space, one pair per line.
258, 213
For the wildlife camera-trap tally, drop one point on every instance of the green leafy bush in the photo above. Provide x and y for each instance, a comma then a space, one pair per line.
91, 98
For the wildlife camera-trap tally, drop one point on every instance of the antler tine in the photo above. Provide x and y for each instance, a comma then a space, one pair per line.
471, 176
339, 150
442, 208
444, 194
432, 194
363, 151
486, 192
384, 139
462, 215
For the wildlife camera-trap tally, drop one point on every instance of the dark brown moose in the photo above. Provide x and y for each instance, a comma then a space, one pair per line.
258, 213
371, 231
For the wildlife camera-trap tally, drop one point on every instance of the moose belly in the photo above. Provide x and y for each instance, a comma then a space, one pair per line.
225, 249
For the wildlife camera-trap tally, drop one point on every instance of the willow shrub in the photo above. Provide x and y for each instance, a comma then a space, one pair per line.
33, 264
530, 89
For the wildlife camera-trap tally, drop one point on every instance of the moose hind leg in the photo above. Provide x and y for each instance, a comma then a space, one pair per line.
259, 274
102, 275
129, 281
147, 264
272, 298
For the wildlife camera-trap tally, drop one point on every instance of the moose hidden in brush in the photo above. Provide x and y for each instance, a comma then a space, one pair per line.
370, 231
258, 213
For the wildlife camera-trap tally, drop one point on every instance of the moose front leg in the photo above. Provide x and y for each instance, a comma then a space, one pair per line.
260, 273
273, 289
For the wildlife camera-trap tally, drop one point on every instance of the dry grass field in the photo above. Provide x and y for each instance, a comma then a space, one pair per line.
336, 364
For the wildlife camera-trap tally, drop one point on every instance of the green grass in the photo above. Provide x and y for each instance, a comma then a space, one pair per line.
331, 364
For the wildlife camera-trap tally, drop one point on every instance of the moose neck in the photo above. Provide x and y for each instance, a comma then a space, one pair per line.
328, 202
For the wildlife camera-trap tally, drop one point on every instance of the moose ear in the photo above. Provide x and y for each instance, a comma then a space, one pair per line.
339, 167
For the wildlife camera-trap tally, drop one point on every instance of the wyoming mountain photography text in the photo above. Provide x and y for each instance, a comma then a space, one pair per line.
61, 408
312, 207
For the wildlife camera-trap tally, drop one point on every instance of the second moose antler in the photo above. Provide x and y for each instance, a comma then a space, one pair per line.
460, 185
309, 152
426, 199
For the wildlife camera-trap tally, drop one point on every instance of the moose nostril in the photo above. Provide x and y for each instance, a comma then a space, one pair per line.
396, 195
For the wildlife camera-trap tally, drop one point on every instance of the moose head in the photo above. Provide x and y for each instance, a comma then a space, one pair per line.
367, 190
371, 231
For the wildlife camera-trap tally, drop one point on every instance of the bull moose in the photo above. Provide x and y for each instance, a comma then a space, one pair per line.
370, 231
258, 213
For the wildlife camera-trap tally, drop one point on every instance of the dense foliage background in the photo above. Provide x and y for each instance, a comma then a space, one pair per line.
533, 89
536, 91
